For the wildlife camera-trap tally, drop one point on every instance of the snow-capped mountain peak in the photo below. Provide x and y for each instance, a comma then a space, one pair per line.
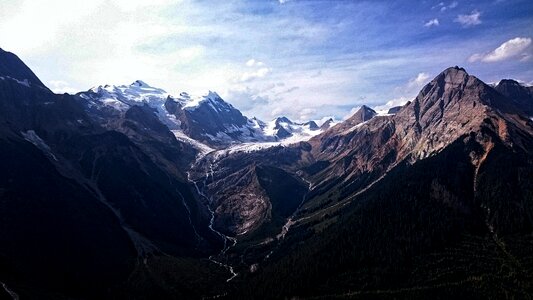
118, 99
138, 91
207, 119
283, 127
139, 83
212, 99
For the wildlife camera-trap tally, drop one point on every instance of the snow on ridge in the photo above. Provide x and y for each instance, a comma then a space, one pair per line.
24, 82
249, 147
250, 134
355, 127
202, 148
212, 99
298, 130
138, 91
36, 140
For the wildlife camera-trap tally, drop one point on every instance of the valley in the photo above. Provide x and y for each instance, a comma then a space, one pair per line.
185, 197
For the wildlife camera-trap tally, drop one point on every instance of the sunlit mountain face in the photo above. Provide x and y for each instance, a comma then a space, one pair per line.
266, 150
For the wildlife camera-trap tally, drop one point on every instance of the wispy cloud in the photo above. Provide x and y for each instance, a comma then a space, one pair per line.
60, 87
443, 7
513, 48
471, 19
450, 6
432, 22
405, 92
259, 73
419, 80
254, 63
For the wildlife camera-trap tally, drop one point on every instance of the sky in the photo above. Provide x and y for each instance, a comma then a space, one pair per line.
305, 59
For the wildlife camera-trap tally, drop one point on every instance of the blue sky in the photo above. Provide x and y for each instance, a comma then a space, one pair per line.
304, 59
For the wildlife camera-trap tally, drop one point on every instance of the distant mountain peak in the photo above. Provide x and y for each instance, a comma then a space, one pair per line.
213, 95
363, 114
283, 119
518, 93
509, 81
394, 109
140, 83
312, 125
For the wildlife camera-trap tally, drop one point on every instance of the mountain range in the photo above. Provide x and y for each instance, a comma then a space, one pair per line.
129, 192
207, 119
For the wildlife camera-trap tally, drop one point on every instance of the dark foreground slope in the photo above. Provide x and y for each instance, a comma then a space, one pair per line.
87, 212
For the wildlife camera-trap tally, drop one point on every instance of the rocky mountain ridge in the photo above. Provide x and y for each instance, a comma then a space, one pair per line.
207, 119
411, 203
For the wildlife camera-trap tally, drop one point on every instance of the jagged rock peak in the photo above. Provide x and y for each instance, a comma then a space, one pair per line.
312, 125
449, 82
394, 109
327, 124
140, 83
283, 120
454, 75
363, 114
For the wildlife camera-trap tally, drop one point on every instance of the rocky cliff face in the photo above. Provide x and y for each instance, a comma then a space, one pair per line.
213, 121
452, 105
239, 199
418, 187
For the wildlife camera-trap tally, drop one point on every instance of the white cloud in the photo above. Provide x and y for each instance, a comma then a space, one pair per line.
254, 63
443, 7
450, 6
407, 92
324, 119
246, 99
419, 80
433, 22
259, 73
391, 103
440, 4
469, 20
190, 53
516, 47
283, 1
60, 87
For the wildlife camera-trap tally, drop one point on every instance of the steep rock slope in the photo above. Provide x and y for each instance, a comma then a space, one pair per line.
450, 106
430, 192
213, 121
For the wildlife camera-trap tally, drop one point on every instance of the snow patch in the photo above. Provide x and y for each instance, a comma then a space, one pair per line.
33, 138
202, 148
24, 82
353, 128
